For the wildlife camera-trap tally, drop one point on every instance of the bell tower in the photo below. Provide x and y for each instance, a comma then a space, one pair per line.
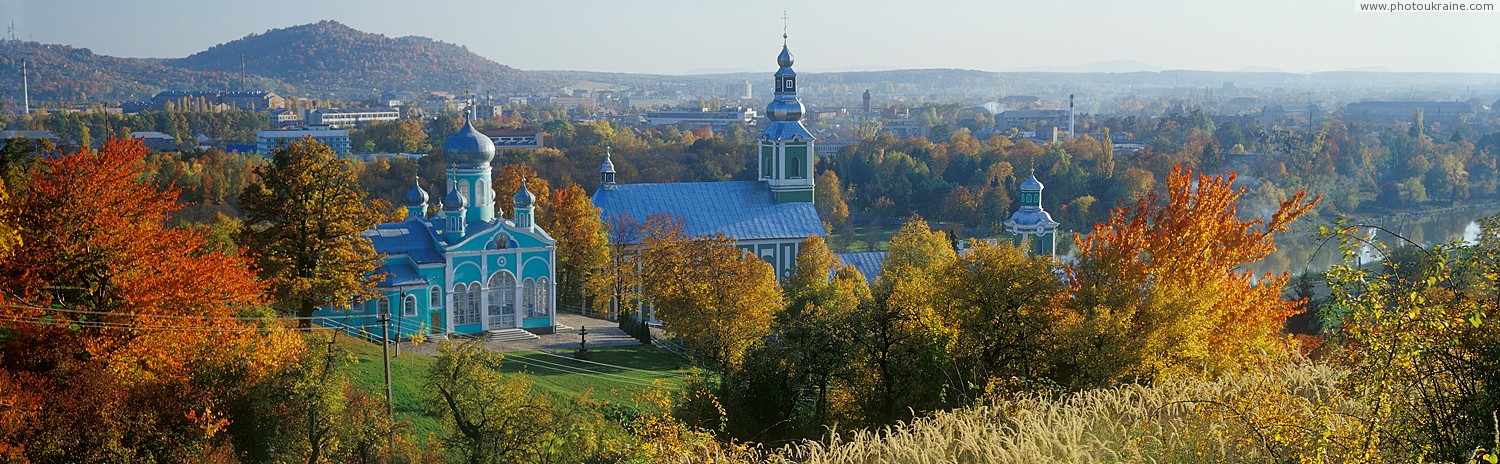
786, 147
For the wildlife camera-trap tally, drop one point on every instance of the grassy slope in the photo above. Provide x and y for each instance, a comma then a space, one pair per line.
549, 373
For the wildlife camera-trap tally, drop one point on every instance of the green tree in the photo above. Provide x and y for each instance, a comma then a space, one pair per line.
304, 216
494, 418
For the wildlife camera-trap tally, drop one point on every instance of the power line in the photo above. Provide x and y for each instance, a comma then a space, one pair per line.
674, 374
584, 372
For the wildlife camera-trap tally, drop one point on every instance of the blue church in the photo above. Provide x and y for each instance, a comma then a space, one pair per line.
769, 217
461, 270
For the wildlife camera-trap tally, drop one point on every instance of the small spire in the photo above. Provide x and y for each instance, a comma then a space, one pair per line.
783, 27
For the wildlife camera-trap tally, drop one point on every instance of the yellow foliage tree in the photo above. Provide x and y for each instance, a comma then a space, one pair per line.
1156, 290
714, 296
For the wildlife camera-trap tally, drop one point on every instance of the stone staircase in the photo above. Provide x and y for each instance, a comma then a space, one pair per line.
510, 335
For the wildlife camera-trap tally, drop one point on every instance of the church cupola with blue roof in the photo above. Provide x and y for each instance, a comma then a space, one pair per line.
524, 201
1031, 226
470, 153
786, 147
455, 209
416, 201
607, 172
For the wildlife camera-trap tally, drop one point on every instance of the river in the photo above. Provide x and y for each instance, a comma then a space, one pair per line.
1295, 249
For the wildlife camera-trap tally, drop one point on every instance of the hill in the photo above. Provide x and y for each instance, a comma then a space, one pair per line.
331, 57
64, 73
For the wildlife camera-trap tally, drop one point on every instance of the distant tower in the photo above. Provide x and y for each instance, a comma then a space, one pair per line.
747, 91
786, 147
25, 90
866, 113
1071, 134
1034, 230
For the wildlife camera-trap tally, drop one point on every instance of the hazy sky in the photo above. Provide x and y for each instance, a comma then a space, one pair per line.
694, 36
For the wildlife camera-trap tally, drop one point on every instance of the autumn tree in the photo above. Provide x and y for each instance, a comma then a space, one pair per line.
304, 216
714, 296
903, 342
828, 196
134, 331
1157, 289
1000, 301
582, 245
508, 182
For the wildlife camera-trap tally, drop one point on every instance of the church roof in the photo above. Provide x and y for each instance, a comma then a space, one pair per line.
743, 210
399, 275
405, 238
868, 263
785, 130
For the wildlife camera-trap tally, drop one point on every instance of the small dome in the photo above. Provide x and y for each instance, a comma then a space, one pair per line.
416, 196
455, 201
468, 147
523, 197
1031, 184
785, 58
609, 165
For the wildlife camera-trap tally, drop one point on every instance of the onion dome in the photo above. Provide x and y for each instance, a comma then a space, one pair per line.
469, 148
416, 196
785, 58
523, 197
454, 201
784, 110
1031, 184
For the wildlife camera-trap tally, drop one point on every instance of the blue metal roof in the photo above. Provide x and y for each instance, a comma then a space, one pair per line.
399, 275
743, 210
785, 130
868, 263
405, 238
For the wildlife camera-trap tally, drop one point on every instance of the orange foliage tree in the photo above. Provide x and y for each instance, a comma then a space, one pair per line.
129, 332
1157, 289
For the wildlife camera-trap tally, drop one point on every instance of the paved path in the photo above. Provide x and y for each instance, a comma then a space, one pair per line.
601, 333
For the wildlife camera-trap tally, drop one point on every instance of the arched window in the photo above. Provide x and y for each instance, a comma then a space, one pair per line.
471, 306
435, 300
481, 194
383, 305
409, 306
502, 306
543, 301
460, 292
528, 297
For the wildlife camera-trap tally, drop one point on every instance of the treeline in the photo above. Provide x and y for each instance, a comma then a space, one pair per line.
93, 128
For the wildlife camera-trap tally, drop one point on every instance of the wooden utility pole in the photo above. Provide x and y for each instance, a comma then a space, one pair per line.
390, 406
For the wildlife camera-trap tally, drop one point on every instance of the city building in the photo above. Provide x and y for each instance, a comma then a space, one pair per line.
1032, 227
701, 117
1032, 119
1303, 115
462, 269
253, 101
903, 128
346, 118
1404, 111
515, 139
769, 217
156, 141
337, 139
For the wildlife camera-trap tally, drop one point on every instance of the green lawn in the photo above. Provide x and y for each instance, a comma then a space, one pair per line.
615, 383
